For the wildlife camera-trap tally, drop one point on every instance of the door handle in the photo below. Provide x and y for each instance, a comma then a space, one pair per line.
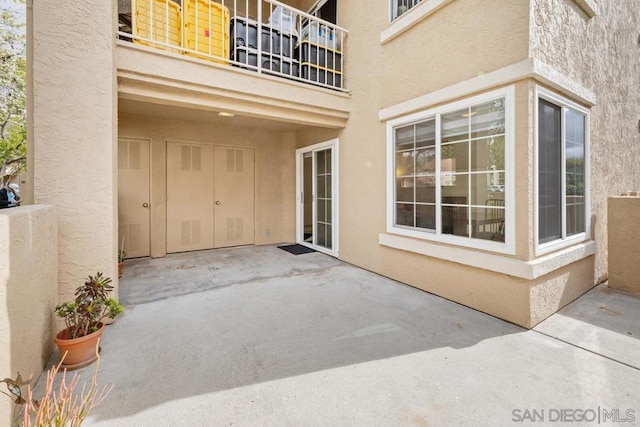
217, 202
145, 205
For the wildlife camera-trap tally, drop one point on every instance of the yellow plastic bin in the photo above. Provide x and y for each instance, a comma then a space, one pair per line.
160, 21
206, 30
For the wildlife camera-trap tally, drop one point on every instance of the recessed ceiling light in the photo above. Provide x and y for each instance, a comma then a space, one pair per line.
225, 114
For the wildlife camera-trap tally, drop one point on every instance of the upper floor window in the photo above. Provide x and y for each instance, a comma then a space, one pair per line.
452, 173
398, 7
562, 144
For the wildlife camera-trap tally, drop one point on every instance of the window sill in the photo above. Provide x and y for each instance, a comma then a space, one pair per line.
411, 18
590, 7
529, 270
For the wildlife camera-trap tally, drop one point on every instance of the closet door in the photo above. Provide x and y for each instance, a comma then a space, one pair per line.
190, 202
234, 189
133, 197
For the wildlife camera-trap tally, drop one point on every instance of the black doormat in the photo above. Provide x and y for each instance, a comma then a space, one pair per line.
296, 249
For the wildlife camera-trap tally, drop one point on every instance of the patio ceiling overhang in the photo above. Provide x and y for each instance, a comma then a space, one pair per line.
153, 76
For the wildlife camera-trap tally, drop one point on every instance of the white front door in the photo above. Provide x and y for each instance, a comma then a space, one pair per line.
133, 197
317, 202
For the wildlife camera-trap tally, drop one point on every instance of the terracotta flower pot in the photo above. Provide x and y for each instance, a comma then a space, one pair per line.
120, 268
80, 351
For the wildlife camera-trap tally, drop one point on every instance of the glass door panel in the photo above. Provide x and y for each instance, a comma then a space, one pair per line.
323, 182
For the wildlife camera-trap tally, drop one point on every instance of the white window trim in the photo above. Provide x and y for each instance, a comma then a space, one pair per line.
545, 248
590, 7
410, 18
529, 270
334, 145
508, 247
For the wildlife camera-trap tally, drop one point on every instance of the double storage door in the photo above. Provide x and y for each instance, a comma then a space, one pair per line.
210, 196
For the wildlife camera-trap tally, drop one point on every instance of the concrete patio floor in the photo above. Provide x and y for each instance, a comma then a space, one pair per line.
256, 336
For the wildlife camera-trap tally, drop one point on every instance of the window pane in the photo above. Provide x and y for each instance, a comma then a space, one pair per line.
404, 189
327, 161
455, 157
575, 172
321, 212
457, 193
426, 134
426, 216
321, 235
404, 138
549, 172
405, 163
404, 214
426, 161
426, 189
398, 7
320, 162
487, 154
483, 187
575, 215
487, 119
320, 187
455, 126
454, 220
488, 223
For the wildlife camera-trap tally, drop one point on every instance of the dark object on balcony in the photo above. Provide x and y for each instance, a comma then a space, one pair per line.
315, 54
244, 33
317, 74
270, 62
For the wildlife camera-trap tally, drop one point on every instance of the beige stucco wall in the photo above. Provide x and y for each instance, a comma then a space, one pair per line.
274, 166
462, 40
427, 57
28, 292
602, 54
624, 243
73, 141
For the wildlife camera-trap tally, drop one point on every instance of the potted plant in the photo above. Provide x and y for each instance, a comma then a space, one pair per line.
82, 318
121, 256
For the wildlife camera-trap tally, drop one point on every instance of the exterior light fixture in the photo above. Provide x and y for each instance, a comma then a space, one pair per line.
225, 114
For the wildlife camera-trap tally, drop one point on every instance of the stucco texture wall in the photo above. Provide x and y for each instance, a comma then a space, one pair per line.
450, 46
28, 293
462, 40
274, 167
623, 214
73, 142
603, 54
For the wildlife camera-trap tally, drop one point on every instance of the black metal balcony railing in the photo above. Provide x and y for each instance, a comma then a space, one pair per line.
265, 36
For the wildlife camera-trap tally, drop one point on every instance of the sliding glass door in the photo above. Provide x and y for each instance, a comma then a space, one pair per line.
316, 213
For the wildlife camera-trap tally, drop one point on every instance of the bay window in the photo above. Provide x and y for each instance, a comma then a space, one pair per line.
562, 160
452, 173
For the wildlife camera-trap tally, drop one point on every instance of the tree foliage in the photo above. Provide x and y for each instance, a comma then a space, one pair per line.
13, 147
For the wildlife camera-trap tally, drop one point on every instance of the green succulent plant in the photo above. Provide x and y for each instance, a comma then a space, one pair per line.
82, 316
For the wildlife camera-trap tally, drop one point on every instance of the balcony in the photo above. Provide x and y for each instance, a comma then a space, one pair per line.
258, 58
